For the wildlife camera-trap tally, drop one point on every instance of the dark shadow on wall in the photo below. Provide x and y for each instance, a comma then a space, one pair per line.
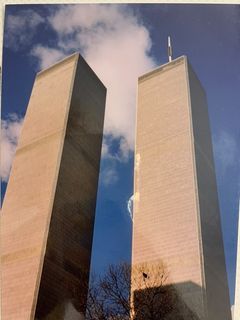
166, 302
64, 279
63, 286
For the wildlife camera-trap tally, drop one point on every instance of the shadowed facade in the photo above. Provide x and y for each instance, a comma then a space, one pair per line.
49, 208
176, 212
164, 302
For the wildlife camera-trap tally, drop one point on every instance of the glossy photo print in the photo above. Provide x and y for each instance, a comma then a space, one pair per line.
120, 162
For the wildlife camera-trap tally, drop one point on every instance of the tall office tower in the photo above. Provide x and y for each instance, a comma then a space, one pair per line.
48, 211
236, 310
176, 213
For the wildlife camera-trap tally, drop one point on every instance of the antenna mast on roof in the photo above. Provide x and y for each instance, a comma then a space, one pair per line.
170, 52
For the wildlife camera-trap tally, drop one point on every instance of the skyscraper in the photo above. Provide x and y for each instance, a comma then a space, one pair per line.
49, 207
176, 212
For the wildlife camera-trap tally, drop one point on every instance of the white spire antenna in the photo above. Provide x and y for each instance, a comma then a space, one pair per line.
170, 51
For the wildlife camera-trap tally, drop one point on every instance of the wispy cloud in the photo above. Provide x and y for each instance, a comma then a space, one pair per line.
121, 153
109, 176
114, 151
130, 206
116, 44
46, 55
10, 130
20, 29
226, 150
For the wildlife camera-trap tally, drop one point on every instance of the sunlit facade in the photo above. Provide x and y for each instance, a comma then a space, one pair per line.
176, 212
49, 208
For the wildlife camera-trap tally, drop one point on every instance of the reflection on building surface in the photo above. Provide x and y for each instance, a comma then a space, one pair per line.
66, 265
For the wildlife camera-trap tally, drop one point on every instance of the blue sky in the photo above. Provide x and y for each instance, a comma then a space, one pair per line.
121, 42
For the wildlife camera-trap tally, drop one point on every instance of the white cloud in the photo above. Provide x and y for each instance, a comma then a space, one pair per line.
21, 28
109, 176
47, 56
105, 149
226, 150
116, 45
124, 149
121, 153
10, 130
130, 206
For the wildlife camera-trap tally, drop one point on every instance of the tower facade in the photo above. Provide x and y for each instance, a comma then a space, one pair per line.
49, 207
176, 214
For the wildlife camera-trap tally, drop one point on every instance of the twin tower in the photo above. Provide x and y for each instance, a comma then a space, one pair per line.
49, 208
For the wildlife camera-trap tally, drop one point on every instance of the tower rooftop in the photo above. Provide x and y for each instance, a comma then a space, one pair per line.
163, 67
